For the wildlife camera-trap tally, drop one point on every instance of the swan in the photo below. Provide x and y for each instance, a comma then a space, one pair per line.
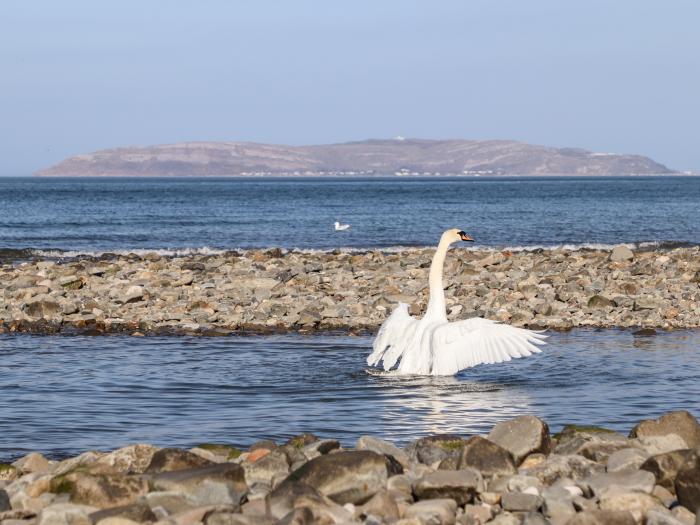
434, 346
341, 227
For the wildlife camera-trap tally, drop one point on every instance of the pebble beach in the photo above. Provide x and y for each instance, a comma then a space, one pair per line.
263, 291
519, 473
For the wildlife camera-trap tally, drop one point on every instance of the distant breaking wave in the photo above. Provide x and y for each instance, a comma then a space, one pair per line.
28, 253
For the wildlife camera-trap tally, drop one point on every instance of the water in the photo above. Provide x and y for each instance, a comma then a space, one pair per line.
64, 395
143, 214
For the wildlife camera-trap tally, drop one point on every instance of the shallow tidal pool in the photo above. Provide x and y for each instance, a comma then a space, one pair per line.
63, 395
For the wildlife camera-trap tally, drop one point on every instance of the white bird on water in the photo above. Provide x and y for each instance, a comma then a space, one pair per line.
434, 346
341, 227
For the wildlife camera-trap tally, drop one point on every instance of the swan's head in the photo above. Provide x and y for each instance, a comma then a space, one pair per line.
455, 235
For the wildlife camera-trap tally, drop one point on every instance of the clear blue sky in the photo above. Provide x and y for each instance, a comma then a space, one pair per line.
612, 76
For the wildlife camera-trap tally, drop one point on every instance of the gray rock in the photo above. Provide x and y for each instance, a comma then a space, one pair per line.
459, 485
662, 517
665, 467
506, 518
164, 503
4, 501
383, 447
138, 512
266, 468
65, 514
346, 477
521, 502
432, 449
556, 466
681, 422
621, 253
626, 459
522, 436
224, 517
171, 459
433, 511
602, 485
282, 500
602, 517
487, 457
381, 506
688, 484
217, 484
636, 503
654, 445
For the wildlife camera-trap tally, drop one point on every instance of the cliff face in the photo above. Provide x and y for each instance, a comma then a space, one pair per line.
381, 157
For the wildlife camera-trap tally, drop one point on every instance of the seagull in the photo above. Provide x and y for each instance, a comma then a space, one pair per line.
341, 227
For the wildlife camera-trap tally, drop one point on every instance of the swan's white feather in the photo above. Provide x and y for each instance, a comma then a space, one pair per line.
451, 346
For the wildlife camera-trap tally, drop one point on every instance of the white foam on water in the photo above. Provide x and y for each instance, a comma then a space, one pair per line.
206, 250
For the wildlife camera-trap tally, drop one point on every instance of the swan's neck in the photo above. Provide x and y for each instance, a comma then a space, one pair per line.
436, 302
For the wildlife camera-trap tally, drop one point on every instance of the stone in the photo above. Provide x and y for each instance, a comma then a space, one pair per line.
477, 514
265, 469
171, 459
599, 301
663, 517
665, 467
660, 444
116, 520
603, 485
217, 484
520, 502
626, 459
133, 459
282, 500
680, 422
65, 514
99, 490
41, 307
164, 503
681, 513
602, 517
558, 507
621, 253
138, 512
688, 484
487, 457
320, 447
346, 477
459, 485
33, 462
568, 466
433, 449
224, 517
381, 506
4, 501
636, 503
506, 518
433, 511
383, 447
132, 295
522, 436
7, 472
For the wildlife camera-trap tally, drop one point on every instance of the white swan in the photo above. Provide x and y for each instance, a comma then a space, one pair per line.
341, 227
433, 346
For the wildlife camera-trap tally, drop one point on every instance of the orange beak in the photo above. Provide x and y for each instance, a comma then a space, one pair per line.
465, 237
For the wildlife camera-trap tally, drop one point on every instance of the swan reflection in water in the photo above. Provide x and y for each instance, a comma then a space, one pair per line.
444, 404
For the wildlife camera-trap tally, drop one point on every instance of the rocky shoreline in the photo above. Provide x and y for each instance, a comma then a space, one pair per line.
275, 290
517, 474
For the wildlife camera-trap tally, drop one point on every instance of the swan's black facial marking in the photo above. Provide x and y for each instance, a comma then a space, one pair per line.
464, 236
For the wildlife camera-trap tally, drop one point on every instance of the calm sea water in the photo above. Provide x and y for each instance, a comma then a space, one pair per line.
63, 395
143, 214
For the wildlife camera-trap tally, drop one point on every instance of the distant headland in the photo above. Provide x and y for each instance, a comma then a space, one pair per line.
399, 156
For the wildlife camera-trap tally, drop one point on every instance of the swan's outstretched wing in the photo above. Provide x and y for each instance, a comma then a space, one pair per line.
471, 342
394, 334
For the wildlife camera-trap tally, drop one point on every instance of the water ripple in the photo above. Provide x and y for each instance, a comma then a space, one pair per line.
62, 395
